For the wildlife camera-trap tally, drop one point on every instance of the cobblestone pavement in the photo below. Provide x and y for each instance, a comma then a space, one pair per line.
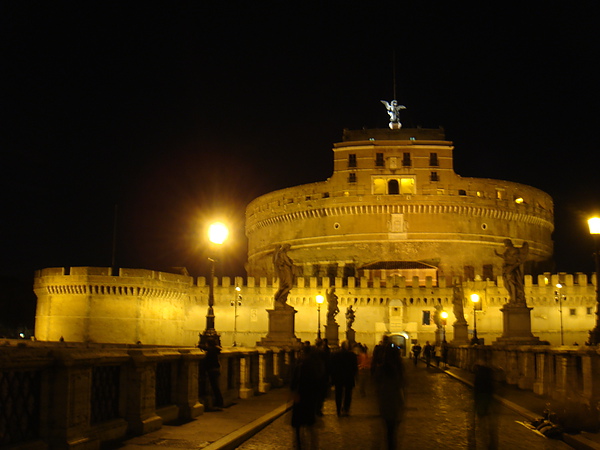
439, 415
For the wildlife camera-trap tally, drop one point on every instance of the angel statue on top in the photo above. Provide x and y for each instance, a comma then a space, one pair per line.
393, 109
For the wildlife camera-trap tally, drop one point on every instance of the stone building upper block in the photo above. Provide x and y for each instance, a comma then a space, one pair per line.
395, 206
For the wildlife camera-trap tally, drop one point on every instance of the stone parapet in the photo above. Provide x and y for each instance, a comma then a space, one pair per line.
83, 396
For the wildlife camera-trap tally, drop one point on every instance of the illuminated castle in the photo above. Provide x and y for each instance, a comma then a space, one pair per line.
395, 206
394, 229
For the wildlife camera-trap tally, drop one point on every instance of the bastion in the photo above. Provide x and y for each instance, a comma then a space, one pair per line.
395, 206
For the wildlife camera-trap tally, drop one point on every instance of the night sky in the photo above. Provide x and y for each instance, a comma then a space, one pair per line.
181, 111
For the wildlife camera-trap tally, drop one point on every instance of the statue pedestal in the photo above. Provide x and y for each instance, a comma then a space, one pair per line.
350, 335
332, 331
281, 328
461, 333
517, 326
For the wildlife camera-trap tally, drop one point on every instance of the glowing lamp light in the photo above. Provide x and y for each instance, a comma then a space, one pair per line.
519, 200
217, 233
320, 299
444, 315
474, 298
594, 224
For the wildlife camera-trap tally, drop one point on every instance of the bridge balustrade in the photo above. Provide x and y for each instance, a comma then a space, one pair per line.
63, 395
568, 377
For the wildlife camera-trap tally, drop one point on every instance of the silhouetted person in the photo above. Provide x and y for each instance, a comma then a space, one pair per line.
323, 353
364, 369
213, 371
484, 406
416, 350
344, 367
306, 375
389, 381
445, 350
427, 352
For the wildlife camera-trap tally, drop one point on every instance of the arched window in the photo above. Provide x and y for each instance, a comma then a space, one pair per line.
393, 187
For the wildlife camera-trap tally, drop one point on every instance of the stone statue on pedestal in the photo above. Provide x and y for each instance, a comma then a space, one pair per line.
516, 315
458, 304
284, 268
281, 317
331, 327
350, 316
512, 271
332, 305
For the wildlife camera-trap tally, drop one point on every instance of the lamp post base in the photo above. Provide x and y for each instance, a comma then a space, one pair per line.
209, 335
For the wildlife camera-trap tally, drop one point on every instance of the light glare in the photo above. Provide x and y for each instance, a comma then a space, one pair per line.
594, 224
217, 233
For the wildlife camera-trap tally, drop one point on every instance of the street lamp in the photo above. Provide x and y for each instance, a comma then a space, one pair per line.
217, 234
594, 224
559, 298
444, 316
320, 300
475, 299
237, 301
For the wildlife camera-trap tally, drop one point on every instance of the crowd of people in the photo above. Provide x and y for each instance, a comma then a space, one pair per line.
431, 352
318, 369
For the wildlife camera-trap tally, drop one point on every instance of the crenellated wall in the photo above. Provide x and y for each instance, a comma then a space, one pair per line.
88, 304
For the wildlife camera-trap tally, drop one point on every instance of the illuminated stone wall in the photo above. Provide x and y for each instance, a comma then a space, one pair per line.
87, 304
394, 196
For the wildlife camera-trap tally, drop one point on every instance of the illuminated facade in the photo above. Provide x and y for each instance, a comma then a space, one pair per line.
395, 204
89, 304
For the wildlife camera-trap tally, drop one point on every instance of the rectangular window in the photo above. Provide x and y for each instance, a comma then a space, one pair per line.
588, 311
488, 271
434, 176
469, 273
352, 160
462, 192
426, 318
572, 312
352, 178
433, 159
379, 160
406, 160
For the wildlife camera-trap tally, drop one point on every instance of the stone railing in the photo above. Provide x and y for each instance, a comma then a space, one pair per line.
75, 395
568, 377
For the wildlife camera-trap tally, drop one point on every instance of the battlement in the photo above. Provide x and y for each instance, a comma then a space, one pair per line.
102, 275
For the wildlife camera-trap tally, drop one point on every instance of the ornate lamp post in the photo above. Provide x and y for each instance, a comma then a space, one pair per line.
320, 300
594, 224
217, 234
559, 298
475, 299
237, 301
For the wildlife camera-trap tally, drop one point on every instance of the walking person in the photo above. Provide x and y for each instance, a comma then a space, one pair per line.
427, 352
416, 350
389, 381
213, 372
364, 369
484, 425
344, 367
437, 354
445, 350
323, 354
304, 385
